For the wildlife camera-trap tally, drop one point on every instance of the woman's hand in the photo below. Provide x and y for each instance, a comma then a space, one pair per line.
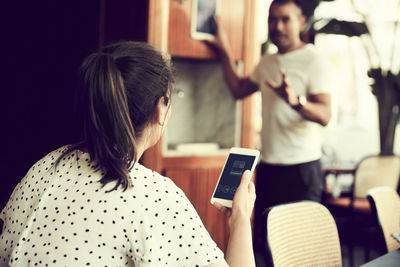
245, 196
239, 251
243, 201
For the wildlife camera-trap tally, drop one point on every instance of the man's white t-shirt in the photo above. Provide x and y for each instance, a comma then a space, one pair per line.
287, 138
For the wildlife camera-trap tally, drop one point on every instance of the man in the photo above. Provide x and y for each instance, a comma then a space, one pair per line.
295, 100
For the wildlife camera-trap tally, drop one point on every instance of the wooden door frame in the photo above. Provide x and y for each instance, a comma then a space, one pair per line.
158, 37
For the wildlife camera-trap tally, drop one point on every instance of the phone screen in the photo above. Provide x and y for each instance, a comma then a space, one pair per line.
235, 165
206, 10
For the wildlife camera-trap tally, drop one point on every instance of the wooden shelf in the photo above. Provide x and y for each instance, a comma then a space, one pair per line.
181, 44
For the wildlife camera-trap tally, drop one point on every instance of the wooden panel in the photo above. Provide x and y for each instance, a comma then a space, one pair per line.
181, 44
194, 161
157, 36
158, 24
233, 17
198, 185
252, 54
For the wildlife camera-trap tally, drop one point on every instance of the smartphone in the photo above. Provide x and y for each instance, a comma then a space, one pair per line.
238, 160
203, 26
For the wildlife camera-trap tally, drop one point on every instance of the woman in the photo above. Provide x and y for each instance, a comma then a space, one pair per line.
93, 204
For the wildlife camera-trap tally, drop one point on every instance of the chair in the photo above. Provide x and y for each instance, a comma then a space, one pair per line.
385, 203
353, 213
302, 233
371, 172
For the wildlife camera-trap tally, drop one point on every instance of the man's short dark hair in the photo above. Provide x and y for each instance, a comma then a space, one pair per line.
284, 2
307, 7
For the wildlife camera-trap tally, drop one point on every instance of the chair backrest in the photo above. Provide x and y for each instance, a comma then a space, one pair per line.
386, 205
376, 171
303, 233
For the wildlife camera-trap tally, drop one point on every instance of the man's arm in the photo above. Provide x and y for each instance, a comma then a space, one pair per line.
316, 109
240, 87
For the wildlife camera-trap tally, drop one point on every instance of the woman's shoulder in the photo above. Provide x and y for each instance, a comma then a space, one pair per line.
151, 182
59, 150
142, 174
49, 159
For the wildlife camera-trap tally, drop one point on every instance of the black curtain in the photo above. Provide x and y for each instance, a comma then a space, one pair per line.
42, 46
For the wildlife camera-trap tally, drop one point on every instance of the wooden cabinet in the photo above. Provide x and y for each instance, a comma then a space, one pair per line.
181, 44
169, 31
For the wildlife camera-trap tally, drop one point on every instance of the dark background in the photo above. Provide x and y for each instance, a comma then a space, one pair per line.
42, 46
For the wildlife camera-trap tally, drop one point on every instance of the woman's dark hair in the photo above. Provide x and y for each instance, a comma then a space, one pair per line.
119, 90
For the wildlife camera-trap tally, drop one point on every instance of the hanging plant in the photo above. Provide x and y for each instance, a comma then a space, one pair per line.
386, 84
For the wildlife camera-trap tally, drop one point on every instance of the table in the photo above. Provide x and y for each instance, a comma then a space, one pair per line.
337, 171
387, 260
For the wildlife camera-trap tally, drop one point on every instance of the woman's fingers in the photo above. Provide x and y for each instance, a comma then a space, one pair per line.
244, 197
224, 210
245, 194
252, 188
242, 189
246, 178
252, 193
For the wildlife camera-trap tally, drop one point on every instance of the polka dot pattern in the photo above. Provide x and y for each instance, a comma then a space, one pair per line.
64, 217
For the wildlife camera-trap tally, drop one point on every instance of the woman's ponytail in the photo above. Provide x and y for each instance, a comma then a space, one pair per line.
107, 127
118, 95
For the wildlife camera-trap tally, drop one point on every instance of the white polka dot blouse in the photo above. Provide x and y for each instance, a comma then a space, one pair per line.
63, 216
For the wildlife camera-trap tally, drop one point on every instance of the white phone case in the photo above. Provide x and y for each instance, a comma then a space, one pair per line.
239, 151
